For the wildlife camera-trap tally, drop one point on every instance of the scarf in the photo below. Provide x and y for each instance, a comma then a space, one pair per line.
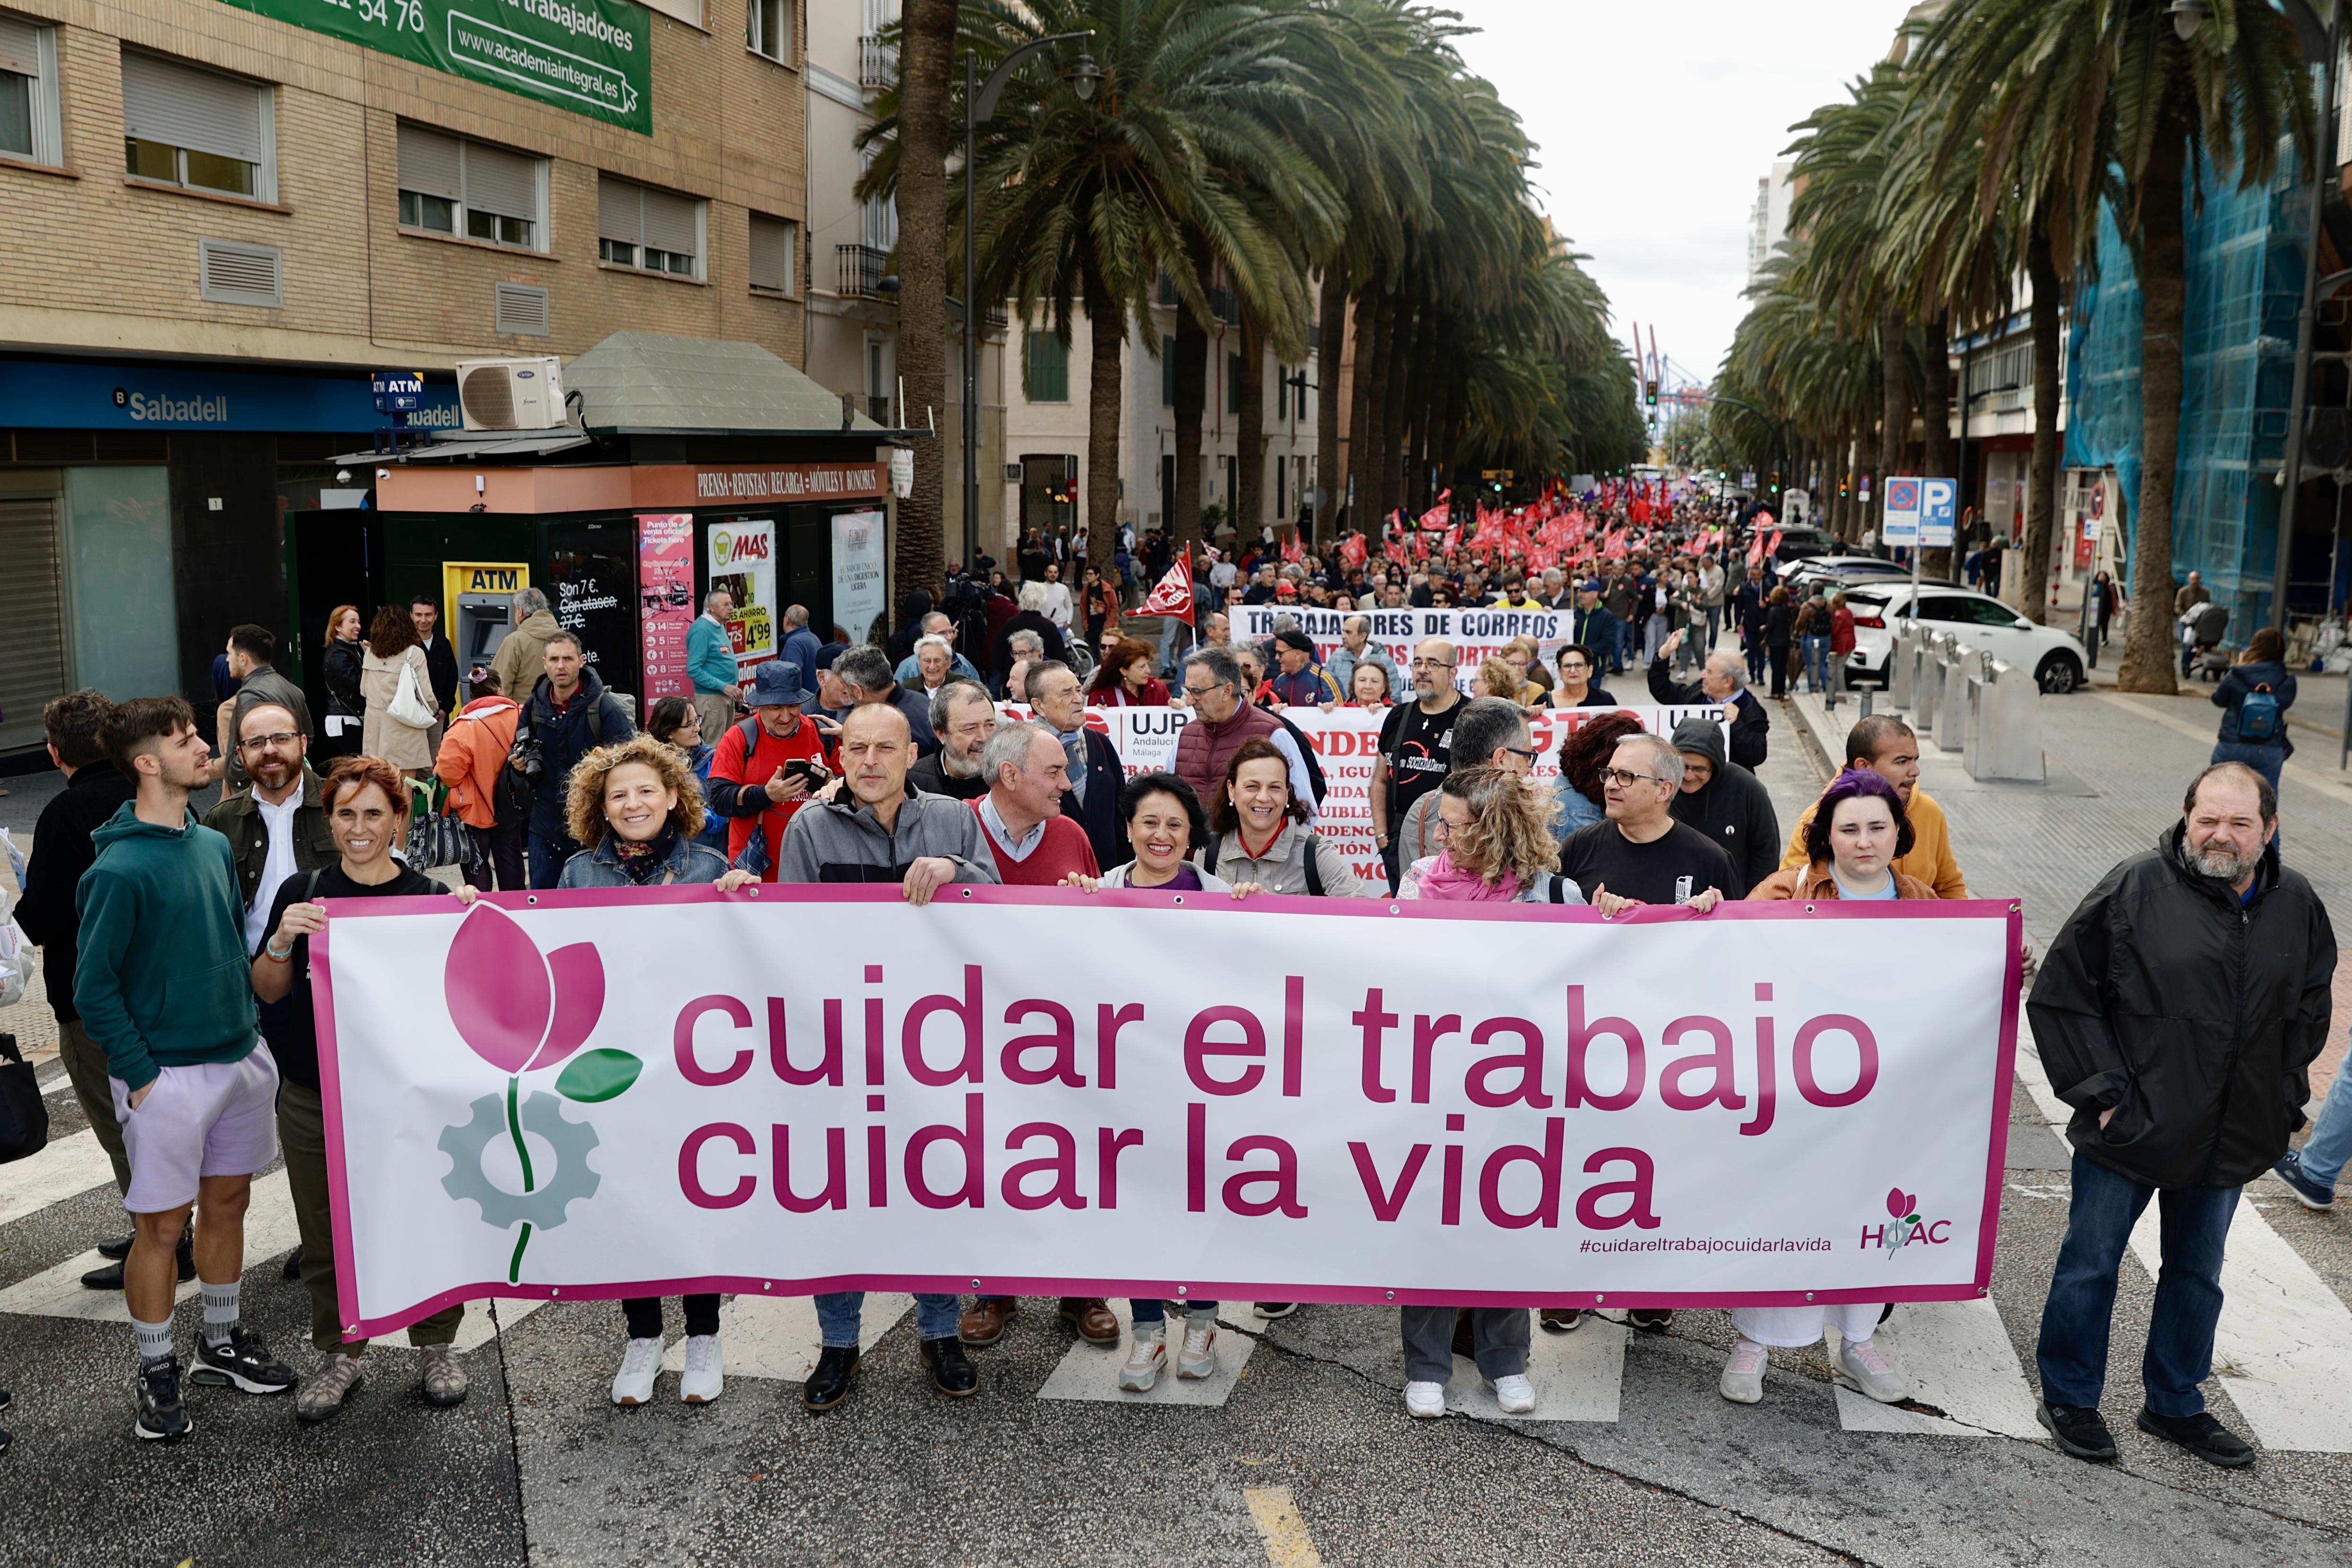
641, 861
1447, 880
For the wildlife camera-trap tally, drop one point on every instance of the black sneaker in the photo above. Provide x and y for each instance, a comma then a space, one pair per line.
1651, 1319
118, 1249
1271, 1310
292, 1272
2080, 1430
241, 1361
162, 1418
1561, 1320
828, 1385
2307, 1192
951, 1371
2200, 1435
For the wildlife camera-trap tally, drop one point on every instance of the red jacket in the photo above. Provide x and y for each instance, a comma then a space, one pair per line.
473, 752
1842, 631
736, 778
1155, 695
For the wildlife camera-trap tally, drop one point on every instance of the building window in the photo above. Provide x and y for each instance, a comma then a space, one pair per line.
183, 125
450, 186
775, 255
1281, 395
1046, 376
768, 28
658, 231
29, 91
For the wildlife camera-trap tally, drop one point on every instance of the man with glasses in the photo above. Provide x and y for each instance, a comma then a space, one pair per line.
1489, 731
1416, 749
1223, 718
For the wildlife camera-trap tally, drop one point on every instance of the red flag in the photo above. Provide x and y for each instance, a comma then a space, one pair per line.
1353, 550
1292, 550
1173, 594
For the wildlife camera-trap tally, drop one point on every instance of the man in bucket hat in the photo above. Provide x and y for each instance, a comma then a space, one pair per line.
768, 765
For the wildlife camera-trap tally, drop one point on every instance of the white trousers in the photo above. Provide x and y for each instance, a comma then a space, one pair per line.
1794, 1328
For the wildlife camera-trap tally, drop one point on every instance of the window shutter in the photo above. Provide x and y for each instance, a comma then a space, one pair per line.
180, 106
771, 245
20, 46
620, 211
500, 182
521, 309
429, 162
670, 223
229, 273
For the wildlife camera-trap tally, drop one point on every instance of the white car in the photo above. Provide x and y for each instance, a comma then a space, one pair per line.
1979, 620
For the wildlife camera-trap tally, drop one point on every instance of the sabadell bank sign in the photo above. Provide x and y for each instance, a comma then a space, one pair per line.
49, 393
218, 409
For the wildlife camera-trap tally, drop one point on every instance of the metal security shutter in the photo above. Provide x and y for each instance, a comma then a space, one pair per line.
229, 273
181, 106
519, 308
20, 46
500, 182
430, 162
620, 210
771, 252
670, 223
32, 617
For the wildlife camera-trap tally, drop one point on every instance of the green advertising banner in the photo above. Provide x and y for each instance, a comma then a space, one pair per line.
592, 57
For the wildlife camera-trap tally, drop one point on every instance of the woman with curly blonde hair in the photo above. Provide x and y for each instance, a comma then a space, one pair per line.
636, 806
1495, 829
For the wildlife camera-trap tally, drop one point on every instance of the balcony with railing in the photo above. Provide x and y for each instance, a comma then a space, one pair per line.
862, 269
878, 63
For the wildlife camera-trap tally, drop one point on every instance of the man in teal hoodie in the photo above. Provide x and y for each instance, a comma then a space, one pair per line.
164, 985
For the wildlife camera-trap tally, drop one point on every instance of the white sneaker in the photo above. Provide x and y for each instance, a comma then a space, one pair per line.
640, 1364
1743, 1374
1145, 1361
1200, 1354
1424, 1400
1877, 1376
1515, 1393
705, 1377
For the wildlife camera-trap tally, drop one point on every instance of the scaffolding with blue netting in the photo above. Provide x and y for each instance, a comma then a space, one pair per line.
2243, 282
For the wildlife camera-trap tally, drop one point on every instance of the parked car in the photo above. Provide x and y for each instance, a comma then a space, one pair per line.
1843, 569
1801, 542
2054, 657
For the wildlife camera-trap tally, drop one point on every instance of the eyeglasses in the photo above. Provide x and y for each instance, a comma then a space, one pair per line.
1433, 664
1518, 751
264, 743
1624, 780
1198, 691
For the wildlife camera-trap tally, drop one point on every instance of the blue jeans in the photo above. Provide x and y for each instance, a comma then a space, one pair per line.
1754, 652
547, 858
2073, 1352
2264, 759
838, 1315
1157, 1311
1817, 665
2330, 1145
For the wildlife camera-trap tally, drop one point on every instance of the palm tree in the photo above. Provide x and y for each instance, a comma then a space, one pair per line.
919, 141
2080, 98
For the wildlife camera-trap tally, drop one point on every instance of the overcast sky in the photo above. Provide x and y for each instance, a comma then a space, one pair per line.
1653, 123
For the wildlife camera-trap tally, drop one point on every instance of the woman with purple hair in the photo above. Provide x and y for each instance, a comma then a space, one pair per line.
1852, 842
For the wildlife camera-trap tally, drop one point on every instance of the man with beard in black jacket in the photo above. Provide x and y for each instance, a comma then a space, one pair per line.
1727, 803
2179, 1014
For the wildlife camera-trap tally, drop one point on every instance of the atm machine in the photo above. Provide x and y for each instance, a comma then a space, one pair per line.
480, 596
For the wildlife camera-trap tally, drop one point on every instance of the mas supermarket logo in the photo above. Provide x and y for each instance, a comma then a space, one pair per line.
1904, 1227
523, 1011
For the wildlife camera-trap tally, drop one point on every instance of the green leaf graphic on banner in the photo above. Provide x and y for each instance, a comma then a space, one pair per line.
599, 1075
591, 57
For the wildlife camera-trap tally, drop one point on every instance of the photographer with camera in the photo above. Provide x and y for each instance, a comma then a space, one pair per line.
768, 766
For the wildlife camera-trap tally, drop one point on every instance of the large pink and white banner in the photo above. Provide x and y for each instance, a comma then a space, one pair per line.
787, 1089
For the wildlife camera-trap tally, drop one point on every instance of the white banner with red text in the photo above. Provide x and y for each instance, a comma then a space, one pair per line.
789, 1089
1477, 633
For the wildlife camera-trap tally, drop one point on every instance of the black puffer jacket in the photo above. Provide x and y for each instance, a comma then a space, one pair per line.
2195, 1017
1733, 809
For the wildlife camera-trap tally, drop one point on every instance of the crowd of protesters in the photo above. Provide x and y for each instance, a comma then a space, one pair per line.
177, 951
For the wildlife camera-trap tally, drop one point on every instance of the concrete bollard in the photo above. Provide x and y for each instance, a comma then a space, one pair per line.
1927, 692
2004, 739
1952, 718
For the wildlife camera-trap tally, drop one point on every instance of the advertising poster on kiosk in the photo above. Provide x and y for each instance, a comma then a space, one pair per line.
743, 563
666, 601
857, 570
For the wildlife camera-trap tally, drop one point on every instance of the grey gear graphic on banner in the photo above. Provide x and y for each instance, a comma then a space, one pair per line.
542, 1113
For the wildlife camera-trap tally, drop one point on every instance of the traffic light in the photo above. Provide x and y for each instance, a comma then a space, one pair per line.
1649, 392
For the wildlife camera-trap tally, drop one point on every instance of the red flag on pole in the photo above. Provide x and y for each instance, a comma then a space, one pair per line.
1174, 594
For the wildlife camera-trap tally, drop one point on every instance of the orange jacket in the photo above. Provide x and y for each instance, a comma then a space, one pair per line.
473, 752
1816, 883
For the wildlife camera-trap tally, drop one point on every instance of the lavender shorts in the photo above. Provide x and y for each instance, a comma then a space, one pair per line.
211, 1118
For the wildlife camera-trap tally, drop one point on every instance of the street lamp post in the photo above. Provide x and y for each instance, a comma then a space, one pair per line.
979, 108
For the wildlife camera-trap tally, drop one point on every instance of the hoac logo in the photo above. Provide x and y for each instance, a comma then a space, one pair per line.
521, 1011
1905, 1226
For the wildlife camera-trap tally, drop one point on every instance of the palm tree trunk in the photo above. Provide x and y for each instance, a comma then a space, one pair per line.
1893, 419
1364, 436
1936, 389
919, 555
1106, 328
2041, 498
1426, 385
2148, 649
1404, 346
1370, 311
1249, 432
1190, 345
1329, 346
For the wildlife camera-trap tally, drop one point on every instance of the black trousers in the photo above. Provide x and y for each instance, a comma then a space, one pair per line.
645, 1315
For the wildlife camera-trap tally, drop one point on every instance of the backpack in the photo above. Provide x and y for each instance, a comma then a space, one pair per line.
2258, 717
1314, 873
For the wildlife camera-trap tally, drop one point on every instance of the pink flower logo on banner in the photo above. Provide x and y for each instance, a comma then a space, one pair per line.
521, 1010
1904, 1208
1899, 1203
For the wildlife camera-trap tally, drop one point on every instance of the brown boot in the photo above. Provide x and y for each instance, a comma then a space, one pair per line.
1091, 1319
984, 1322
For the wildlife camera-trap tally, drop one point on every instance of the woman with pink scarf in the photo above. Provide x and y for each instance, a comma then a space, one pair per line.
1496, 844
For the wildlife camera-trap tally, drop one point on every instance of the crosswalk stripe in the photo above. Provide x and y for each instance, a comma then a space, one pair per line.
1578, 1376
1275, 1513
2285, 1342
1091, 1372
766, 1337
1960, 1361
67, 1168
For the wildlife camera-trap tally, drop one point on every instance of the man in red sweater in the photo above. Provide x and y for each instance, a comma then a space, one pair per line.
1021, 815
758, 784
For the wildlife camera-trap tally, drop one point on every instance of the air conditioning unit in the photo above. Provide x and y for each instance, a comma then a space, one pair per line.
512, 394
